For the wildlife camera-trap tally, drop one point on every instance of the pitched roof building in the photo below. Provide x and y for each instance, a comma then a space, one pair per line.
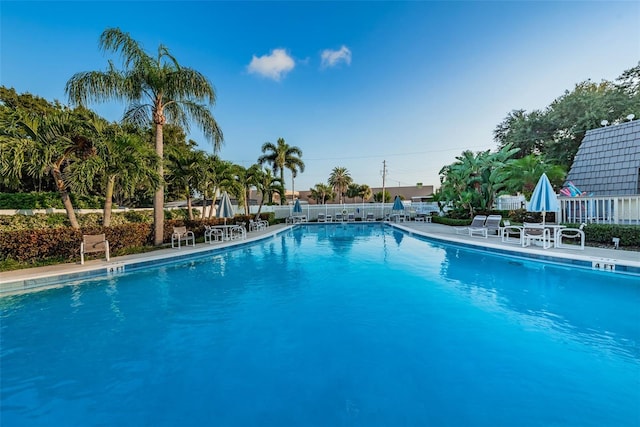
608, 161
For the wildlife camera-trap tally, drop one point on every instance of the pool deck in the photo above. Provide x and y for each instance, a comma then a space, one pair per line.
35, 279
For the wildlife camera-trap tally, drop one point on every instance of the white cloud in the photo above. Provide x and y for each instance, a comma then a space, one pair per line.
331, 58
273, 66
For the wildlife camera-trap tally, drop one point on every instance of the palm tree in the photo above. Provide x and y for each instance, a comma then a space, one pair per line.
282, 156
268, 185
158, 90
184, 167
364, 191
49, 144
124, 160
340, 179
321, 193
217, 174
353, 191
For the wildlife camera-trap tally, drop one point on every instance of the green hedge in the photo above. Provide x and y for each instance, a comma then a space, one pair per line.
63, 243
47, 200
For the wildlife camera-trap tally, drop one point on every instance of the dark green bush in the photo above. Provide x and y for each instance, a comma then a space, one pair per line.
47, 200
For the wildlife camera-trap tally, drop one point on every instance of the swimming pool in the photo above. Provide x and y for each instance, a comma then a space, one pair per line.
328, 325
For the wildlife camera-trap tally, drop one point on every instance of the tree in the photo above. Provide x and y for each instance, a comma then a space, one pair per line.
353, 191
364, 192
184, 167
340, 179
49, 144
268, 185
523, 174
321, 193
282, 156
158, 90
124, 163
378, 197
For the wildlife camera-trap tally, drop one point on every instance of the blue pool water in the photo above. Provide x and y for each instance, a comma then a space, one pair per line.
329, 325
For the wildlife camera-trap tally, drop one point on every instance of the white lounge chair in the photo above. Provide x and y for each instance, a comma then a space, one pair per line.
370, 217
492, 224
351, 217
322, 217
477, 222
94, 243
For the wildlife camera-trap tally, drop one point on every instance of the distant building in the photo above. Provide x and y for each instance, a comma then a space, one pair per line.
608, 161
414, 192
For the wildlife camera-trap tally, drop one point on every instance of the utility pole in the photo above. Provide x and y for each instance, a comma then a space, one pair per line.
384, 175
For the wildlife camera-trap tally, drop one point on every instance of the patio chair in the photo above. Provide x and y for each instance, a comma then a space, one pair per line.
477, 222
93, 243
370, 217
212, 234
533, 232
492, 224
322, 217
507, 230
571, 233
339, 217
238, 232
351, 217
180, 234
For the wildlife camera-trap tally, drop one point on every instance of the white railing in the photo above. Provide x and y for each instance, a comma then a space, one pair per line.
360, 210
600, 210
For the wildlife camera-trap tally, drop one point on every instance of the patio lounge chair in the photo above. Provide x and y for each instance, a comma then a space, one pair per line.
93, 243
322, 217
180, 234
491, 225
370, 217
571, 233
339, 217
351, 217
477, 222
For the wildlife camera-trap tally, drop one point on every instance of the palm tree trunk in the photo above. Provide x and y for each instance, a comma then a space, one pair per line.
66, 200
108, 202
189, 205
158, 198
293, 191
285, 190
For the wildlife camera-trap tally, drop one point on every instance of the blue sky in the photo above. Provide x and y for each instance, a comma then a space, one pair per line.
350, 83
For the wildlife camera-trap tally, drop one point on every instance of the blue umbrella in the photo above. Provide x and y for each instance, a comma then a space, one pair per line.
397, 204
296, 207
544, 199
225, 209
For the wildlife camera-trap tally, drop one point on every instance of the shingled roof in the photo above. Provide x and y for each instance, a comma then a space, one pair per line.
608, 161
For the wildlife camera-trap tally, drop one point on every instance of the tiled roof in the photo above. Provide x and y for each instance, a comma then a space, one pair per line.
608, 161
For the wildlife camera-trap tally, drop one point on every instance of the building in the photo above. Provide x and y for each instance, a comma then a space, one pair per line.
608, 161
423, 192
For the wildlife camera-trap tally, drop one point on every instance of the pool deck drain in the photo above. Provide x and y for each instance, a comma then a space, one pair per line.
35, 279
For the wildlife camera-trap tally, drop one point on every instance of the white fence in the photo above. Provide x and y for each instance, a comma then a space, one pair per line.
360, 210
600, 210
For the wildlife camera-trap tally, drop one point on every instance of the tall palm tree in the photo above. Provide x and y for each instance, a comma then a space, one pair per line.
340, 179
282, 156
158, 90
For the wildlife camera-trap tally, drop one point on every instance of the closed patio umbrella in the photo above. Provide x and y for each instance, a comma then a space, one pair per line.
397, 204
225, 208
296, 207
544, 199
